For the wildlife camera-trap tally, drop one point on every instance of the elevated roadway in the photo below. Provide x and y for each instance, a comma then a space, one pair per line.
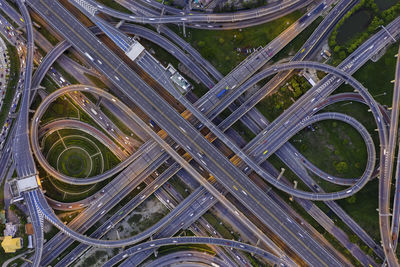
57, 125
152, 36
389, 245
40, 204
304, 52
189, 256
83, 88
168, 119
100, 91
22, 154
252, 163
232, 20
144, 32
122, 107
21, 149
53, 172
195, 240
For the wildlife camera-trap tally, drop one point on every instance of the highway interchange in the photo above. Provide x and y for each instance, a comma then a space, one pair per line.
233, 179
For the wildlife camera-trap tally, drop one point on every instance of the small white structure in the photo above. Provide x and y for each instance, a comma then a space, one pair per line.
27, 183
30, 241
135, 50
180, 82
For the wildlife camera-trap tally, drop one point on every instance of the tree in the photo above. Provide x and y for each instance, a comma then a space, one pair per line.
342, 55
341, 167
297, 92
352, 199
221, 40
353, 239
201, 43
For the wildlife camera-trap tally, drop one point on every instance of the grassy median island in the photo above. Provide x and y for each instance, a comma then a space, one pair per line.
333, 146
11, 81
74, 161
60, 108
75, 154
276, 102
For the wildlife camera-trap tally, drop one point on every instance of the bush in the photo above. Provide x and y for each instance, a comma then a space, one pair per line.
353, 239
352, 199
201, 43
341, 167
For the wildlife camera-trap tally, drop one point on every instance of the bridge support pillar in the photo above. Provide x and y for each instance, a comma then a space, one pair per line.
13, 115
258, 242
280, 175
119, 24
184, 29
98, 101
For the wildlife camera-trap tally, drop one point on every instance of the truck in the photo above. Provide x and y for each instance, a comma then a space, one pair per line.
220, 94
93, 111
89, 56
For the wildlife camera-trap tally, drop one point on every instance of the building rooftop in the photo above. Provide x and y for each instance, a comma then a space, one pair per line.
135, 50
10, 230
27, 183
29, 229
10, 245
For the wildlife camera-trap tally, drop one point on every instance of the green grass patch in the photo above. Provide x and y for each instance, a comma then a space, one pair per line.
334, 147
377, 77
220, 47
12, 81
49, 84
245, 132
46, 33
99, 83
274, 104
295, 45
73, 162
65, 74
363, 210
114, 5
122, 126
179, 186
60, 108
358, 25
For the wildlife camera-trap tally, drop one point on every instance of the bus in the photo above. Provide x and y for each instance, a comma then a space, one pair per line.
220, 94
